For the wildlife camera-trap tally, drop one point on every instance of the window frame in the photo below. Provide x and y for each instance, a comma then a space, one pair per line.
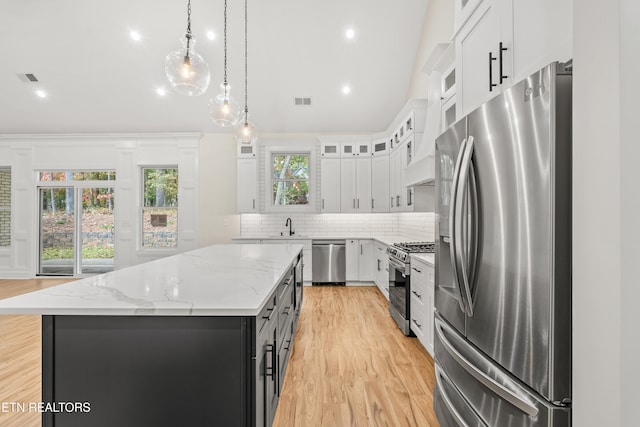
8, 208
269, 179
142, 208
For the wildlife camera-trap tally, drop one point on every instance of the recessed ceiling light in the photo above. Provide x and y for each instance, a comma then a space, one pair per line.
346, 89
161, 91
211, 35
41, 93
350, 33
136, 36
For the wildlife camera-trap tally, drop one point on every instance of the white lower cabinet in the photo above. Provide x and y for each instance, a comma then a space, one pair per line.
352, 260
381, 268
365, 263
421, 301
359, 260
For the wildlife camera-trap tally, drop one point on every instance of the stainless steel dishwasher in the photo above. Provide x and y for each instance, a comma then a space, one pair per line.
329, 261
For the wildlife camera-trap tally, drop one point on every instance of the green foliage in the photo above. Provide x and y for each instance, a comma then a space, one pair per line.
87, 253
160, 187
290, 179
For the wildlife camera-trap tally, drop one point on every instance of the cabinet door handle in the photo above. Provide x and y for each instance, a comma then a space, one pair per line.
360, 248
269, 371
354, 203
371, 203
391, 201
416, 322
254, 203
378, 265
502, 76
358, 203
398, 200
416, 294
416, 270
491, 83
271, 311
322, 203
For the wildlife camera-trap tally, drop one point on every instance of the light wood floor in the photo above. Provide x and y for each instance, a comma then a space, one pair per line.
350, 365
20, 355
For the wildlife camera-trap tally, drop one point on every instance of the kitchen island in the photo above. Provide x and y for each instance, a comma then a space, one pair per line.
199, 338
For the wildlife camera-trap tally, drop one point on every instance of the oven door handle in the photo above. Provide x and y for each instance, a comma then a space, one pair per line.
397, 264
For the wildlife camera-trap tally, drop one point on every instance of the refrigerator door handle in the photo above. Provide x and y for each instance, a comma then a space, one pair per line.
447, 400
511, 396
453, 209
465, 237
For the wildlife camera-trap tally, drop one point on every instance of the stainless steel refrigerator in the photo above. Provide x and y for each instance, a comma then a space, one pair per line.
503, 251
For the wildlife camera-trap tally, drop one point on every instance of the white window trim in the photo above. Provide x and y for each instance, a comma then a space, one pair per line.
6, 249
268, 177
151, 251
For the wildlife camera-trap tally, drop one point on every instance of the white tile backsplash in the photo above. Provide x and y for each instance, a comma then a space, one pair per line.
412, 226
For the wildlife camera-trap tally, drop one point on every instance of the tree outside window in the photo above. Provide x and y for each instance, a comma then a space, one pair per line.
290, 179
5, 207
160, 208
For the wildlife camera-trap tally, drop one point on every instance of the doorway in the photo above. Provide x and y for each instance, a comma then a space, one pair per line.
76, 228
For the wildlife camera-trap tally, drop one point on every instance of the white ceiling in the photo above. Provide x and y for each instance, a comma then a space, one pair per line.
99, 80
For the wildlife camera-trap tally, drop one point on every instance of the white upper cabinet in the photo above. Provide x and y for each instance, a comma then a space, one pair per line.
380, 183
542, 33
330, 185
463, 10
363, 149
247, 191
504, 41
355, 187
483, 57
380, 147
348, 149
330, 149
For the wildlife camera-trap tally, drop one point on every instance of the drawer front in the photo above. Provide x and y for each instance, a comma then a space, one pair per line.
418, 319
267, 314
285, 315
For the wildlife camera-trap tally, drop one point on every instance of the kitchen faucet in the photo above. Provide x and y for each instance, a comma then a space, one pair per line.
289, 224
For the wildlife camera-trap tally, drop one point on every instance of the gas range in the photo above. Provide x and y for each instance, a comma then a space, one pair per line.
401, 251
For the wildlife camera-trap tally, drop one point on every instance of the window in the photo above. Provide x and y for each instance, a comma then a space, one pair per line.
5, 207
77, 176
290, 179
160, 207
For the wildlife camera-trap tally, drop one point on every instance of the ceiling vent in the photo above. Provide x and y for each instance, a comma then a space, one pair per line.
302, 101
28, 78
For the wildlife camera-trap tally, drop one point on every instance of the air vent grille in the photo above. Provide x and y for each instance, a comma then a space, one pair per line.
31, 77
302, 101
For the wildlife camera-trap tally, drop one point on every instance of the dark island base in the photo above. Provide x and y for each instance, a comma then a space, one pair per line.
148, 371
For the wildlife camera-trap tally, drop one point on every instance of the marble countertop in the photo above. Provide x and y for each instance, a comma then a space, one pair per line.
427, 258
219, 280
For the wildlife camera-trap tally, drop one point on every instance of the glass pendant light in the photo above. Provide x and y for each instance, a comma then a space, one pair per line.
223, 109
245, 130
186, 70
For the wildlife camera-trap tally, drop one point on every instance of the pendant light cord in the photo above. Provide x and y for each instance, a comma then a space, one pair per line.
225, 47
246, 107
188, 35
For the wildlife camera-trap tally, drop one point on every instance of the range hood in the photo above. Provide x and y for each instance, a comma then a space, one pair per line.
422, 169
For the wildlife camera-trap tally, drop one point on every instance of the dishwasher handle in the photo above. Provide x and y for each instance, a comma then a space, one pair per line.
327, 242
